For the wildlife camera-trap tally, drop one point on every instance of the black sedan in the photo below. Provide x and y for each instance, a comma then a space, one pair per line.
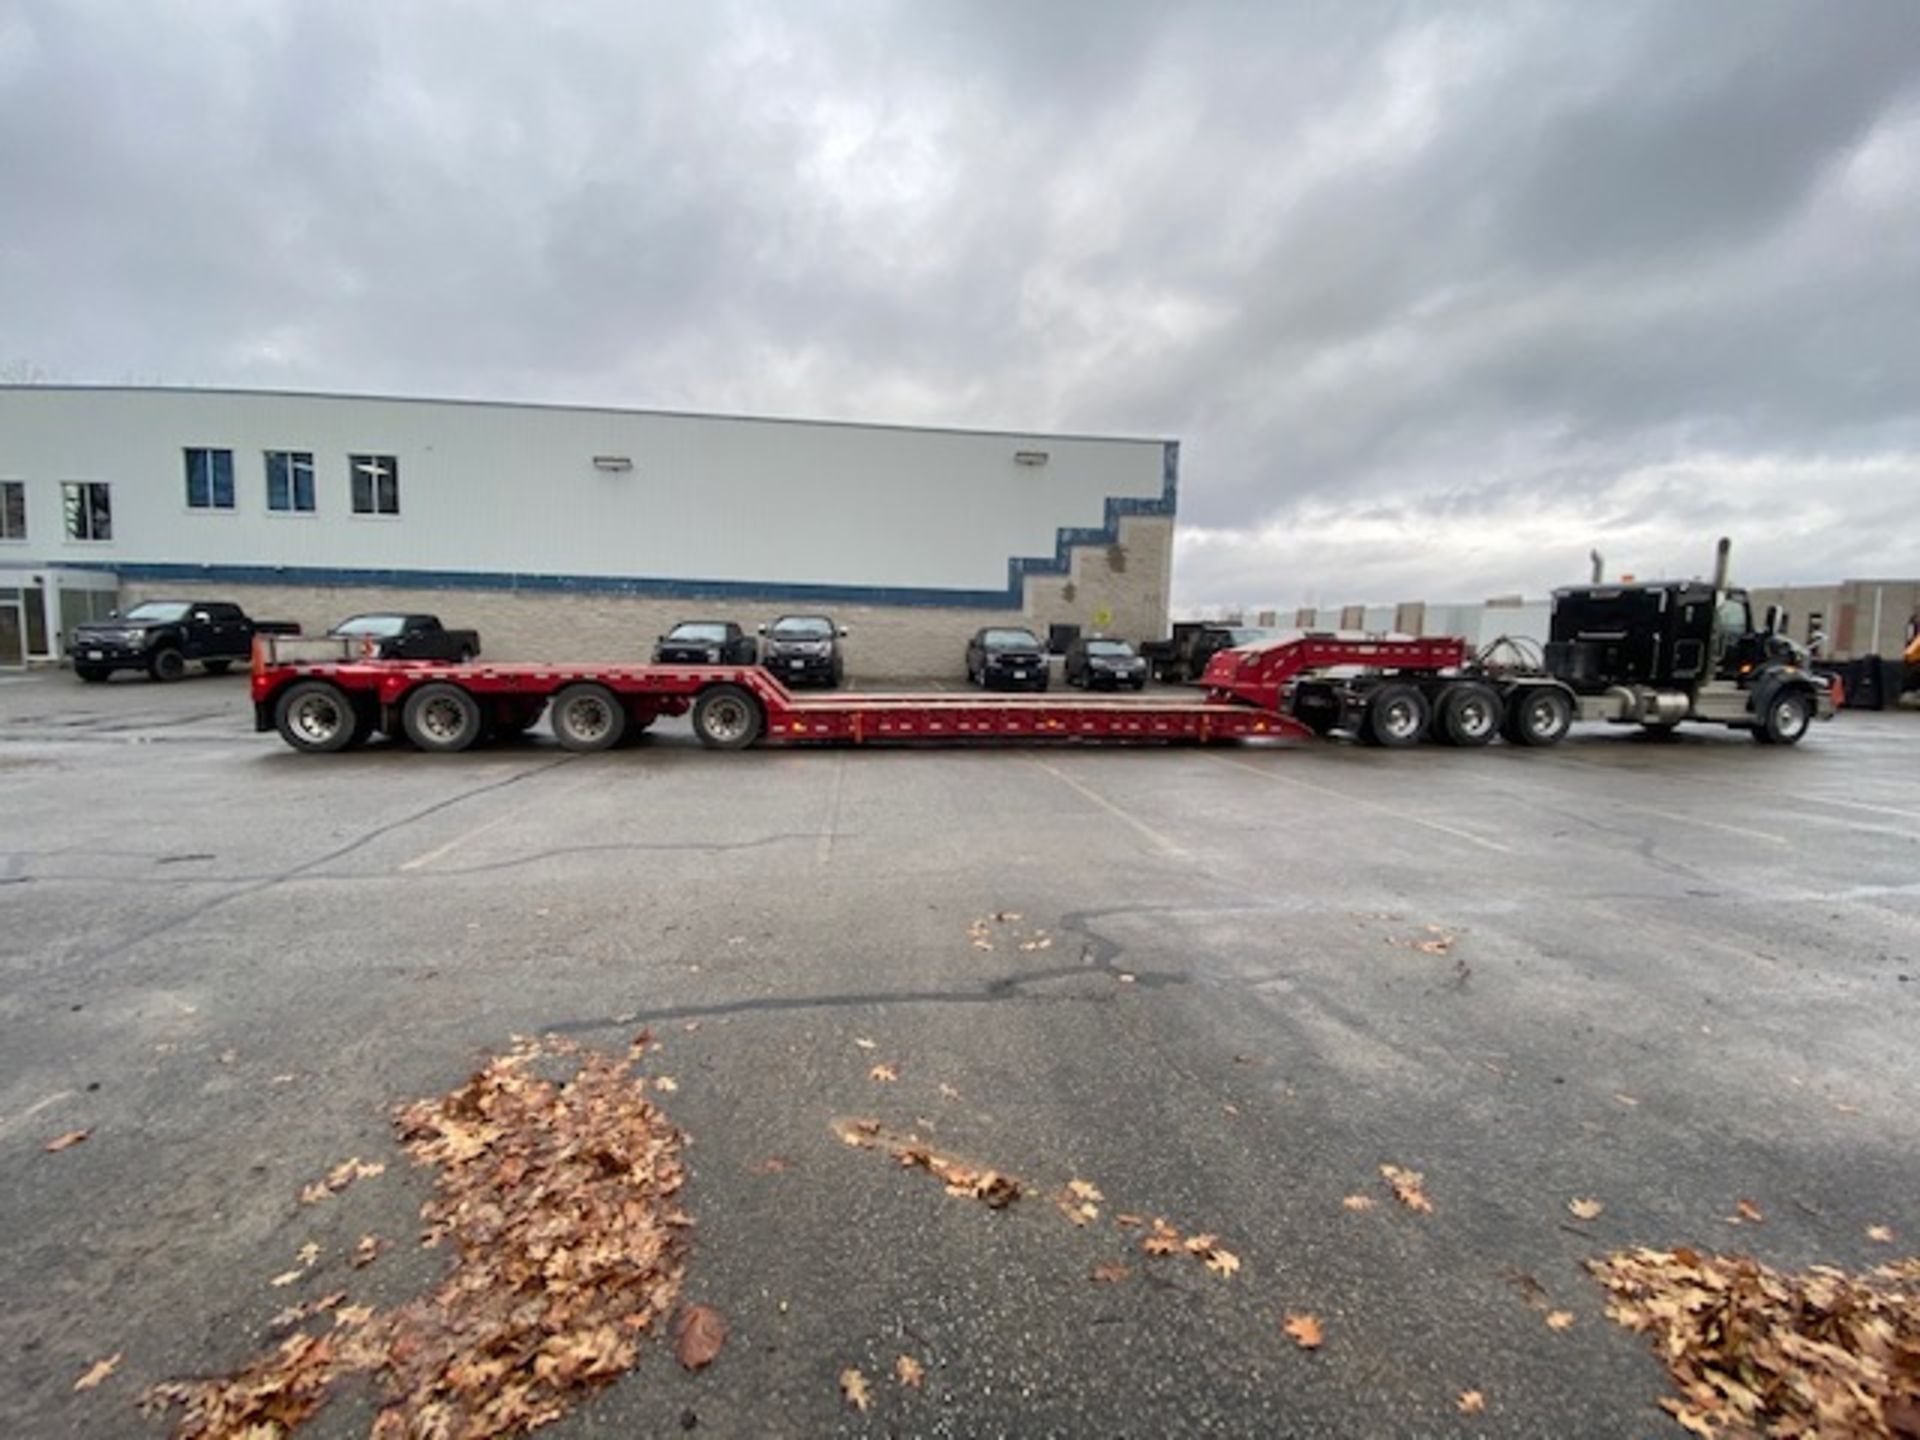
804, 649
1003, 657
1104, 665
705, 642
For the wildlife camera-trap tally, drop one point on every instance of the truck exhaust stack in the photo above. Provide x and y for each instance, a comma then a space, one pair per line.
1722, 563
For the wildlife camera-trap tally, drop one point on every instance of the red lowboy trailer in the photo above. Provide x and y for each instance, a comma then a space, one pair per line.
1249, 693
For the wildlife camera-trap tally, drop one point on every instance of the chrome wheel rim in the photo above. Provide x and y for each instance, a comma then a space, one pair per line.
1789, 719
1400, 719
443, 718
727, 719
1475, 717
1543, 717
317, 719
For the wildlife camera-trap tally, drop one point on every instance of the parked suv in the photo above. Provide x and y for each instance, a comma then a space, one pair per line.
705, 642
804, 649
161, 636
1004, 657
1107, 664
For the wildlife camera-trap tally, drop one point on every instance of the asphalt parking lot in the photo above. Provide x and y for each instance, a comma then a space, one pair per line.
1664, 976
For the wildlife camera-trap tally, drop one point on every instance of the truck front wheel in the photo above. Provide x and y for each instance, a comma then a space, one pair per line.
167, 663
1785, 720
727, 717
1538, 715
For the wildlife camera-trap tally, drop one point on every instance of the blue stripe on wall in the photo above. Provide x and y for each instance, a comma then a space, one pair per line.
1011, 598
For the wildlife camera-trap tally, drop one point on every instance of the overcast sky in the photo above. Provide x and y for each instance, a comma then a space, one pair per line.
1436, 297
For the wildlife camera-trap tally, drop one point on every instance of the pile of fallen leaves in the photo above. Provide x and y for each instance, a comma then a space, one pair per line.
557, 1198
1756, 1350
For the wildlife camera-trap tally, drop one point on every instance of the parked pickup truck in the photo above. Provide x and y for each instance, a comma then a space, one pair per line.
162, 636
409, 637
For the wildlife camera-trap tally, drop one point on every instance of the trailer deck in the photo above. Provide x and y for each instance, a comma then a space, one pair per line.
330, 704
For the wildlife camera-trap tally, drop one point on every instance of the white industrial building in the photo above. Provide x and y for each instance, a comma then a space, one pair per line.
569, 532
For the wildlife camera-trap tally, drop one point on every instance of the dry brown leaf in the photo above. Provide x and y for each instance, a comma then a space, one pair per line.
1165, 1240
308, 1253
1127, 1222
1559, 1319
1007, 917
1746, 1211
98, 1371
666, 1084
66, 1141
1305, 1329
1754, 1350
1084, 1190
1200, 1244
1408, 1188
1110, 1272
909, 1371
366, 1251
1222, 1262
285, 1278
1471, 1402
1627, 1100
1585, 1209
1080, 1212
353, 1315
1880, 1234
1358, 1202
866, 1044
341, 1176
699, 1336
885, 1074
853, 1385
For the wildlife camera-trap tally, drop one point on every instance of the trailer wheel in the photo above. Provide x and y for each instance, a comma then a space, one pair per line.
588, 717
726, 717
316, 717
1397, 716
441, 717
1787, 717
1538, 715
1470, 714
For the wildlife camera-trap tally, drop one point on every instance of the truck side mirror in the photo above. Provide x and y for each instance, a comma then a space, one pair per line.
1776, 620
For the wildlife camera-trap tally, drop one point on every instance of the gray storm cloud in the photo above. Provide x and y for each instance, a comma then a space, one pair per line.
1438, 296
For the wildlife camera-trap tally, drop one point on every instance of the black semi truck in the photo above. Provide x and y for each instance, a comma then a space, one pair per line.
1653, 654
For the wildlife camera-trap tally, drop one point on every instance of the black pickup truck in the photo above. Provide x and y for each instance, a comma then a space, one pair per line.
162, 636
393, 636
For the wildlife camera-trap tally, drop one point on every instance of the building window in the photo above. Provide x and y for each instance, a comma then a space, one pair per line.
210, 479
376, 484
13, 509
89, 508
290, 480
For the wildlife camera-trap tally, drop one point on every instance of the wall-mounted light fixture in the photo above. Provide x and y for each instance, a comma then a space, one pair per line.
617, 463
1029, 457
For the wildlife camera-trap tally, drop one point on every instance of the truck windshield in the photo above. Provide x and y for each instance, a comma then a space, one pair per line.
159, 610
803, 627
698, 630
1734, 618
379, 626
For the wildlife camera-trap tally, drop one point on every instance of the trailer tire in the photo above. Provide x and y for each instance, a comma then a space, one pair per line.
727, 717
1397, 716
442, 717
317, 717
1538, 715
1470, 714
588, 718
1786, 719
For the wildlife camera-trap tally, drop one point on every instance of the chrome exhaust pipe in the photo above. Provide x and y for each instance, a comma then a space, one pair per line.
1722, 562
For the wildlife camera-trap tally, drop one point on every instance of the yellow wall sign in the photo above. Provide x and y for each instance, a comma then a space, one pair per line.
1103, 616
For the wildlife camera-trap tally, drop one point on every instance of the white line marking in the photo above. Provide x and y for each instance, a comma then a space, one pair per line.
1709, 824
1160, 841
823, 848
1363, 804
1857, 805
440, 852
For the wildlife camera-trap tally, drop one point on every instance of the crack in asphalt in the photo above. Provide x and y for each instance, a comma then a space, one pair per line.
123, 944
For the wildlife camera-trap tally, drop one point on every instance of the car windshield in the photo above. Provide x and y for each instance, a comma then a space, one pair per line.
159, 610
1109, 647
698, 630
380, 626
803, 627
1009, 640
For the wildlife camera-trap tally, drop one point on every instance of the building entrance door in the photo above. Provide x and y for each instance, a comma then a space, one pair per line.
13, 635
